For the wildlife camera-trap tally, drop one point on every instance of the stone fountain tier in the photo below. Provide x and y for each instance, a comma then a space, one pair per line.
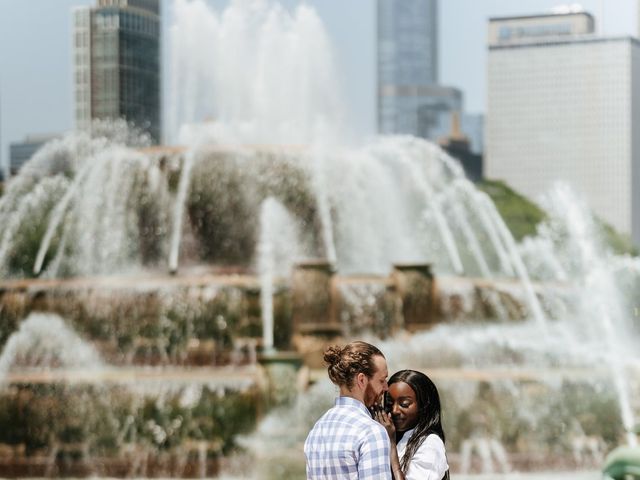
235, 378
209, 317
199, 318
232, 376
622, 463
124, 422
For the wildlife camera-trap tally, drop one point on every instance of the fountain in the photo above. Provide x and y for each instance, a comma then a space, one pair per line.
145, 289
622, 463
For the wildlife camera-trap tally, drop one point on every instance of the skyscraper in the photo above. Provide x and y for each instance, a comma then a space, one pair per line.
409, 97
117, 64
563, 104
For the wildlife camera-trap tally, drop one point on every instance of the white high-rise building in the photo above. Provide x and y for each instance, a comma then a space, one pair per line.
638, 18
563, 105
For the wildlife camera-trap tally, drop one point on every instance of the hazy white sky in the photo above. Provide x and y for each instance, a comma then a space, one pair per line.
36, 91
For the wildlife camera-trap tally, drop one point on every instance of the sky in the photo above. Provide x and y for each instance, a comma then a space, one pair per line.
36, 90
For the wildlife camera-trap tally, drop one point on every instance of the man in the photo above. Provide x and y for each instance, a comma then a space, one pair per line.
346, 443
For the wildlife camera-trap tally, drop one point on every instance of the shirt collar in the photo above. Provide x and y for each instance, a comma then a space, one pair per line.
352, 402
407, 435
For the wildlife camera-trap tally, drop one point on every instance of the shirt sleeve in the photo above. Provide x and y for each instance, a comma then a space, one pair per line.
429, 462
375, 456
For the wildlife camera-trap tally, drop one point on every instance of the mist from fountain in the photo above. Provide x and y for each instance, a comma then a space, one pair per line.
266, 75
582, 349
601, 300
44, 342
393, 200
91, 205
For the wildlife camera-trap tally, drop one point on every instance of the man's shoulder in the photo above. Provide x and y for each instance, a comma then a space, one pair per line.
354, 416
365, 425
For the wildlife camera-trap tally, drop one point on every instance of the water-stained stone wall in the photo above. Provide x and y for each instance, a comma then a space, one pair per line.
207, 319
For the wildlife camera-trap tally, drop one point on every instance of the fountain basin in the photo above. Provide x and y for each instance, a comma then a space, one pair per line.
623, 463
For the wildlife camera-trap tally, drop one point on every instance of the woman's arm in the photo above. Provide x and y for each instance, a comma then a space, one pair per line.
385, 419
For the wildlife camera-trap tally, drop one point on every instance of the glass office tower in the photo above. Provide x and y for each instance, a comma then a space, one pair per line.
409, 98
117, 64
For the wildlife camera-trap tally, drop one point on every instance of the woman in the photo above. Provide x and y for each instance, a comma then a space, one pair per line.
412, 420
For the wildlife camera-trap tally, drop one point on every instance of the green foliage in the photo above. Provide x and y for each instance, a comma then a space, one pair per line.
520, 214
619, 243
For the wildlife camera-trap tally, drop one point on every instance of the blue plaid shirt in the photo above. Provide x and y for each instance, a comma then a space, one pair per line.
346, 443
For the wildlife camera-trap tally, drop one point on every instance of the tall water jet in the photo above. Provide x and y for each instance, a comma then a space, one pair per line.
394, 200
278, 249
243, 95
179, 209
256, 81
540, 376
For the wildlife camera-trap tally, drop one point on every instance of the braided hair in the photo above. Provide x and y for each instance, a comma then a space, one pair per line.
429, 416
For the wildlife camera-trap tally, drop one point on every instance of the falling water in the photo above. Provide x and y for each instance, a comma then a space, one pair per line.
57, 215
601, 300
514, 356
257, 74
93, 191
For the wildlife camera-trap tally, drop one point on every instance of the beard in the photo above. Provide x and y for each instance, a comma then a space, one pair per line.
370, 396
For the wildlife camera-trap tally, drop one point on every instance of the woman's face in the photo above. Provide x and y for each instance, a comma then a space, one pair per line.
403, 406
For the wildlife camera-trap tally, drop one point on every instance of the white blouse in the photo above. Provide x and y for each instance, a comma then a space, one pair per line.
429, 462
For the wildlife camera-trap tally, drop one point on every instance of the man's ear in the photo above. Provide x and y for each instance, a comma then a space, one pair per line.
361, 380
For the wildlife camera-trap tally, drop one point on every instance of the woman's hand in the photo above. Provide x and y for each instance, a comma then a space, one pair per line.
384, 418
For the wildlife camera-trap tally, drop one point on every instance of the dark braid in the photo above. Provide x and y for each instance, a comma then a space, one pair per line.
429, 414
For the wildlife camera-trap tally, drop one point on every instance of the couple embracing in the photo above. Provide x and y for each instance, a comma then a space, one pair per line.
377, 429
